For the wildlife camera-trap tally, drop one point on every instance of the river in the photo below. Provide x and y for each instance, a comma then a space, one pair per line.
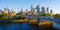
18, 26
25, 26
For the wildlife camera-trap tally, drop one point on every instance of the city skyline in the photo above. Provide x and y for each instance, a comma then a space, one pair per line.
26, 4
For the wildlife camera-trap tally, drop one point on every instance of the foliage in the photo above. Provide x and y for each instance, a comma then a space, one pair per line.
8, 17
4, 17
56, 16
46, 14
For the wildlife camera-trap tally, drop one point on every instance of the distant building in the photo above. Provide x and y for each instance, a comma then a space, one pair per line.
32, 9
26, 11
38, 9
22, 12
12, 13
43, 10
47, 10
1, 12
51, 12
5, 11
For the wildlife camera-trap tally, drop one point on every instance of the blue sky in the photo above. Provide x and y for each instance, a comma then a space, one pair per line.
26, 4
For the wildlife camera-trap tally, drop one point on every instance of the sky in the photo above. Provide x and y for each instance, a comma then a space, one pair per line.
26, 4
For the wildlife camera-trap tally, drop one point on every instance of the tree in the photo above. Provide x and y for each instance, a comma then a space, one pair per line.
4, 17
56, 16
48, 14
20, 17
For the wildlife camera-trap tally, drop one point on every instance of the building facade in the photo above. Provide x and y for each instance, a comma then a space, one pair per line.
43, 10
5, 11
38, 9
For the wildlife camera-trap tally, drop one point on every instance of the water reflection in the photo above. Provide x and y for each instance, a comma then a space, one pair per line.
1, 28
23, 26
56, 26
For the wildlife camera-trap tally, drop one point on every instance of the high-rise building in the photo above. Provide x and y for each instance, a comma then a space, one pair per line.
26, 10
47, 10
22, 12
51, 12
5, 11
43, 10
38, 9
8, 9
12, 13
32, 9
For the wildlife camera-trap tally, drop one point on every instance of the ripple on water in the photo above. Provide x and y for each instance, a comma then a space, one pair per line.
1, 28
56, 26
23, 26
14, 27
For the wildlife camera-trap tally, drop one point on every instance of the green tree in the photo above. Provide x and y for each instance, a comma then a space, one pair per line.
20, 17
56, 16
4, 17
48, 14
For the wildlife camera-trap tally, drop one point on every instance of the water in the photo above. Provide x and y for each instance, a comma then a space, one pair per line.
56, 26
1, 28
26, 26
21, 26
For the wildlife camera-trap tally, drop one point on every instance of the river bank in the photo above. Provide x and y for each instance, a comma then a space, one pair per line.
31, 25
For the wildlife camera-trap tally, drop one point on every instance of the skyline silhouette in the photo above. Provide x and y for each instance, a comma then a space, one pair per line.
26, 4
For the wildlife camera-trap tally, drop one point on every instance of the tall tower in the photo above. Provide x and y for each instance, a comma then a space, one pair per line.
5, 11
51, 12
26, 10
47, 10
21, 10
13, 13
43, 10
38, 9
32, 8
8, 9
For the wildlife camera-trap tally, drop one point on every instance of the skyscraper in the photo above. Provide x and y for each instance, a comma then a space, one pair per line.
26, 10
47, 10
38, 9
22, 12
51, 12
12, 13
32, 8
5, 11
43, 10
